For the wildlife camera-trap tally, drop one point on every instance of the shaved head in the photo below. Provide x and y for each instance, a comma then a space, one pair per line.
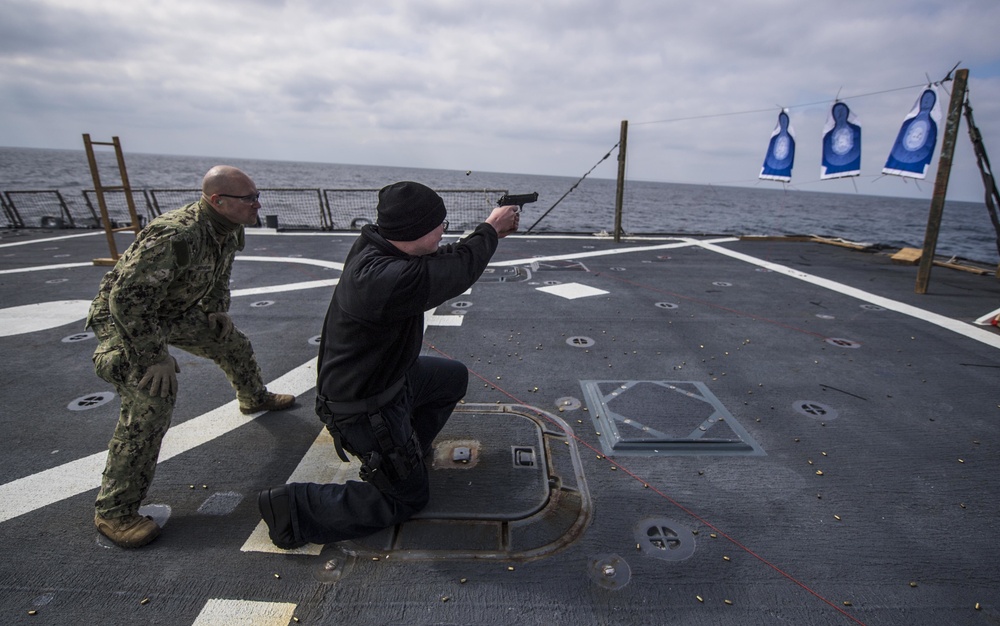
232, 194
223, 179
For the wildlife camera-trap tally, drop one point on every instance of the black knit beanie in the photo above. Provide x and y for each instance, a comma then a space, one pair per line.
407, 211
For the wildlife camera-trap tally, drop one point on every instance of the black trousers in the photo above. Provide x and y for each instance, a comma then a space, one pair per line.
328, 513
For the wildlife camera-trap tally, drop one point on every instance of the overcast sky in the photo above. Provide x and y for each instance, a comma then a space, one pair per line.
520, 86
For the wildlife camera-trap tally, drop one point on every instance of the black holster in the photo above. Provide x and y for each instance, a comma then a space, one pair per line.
387, 464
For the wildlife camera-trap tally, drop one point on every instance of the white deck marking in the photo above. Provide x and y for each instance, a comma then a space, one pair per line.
48, 239
29, 318
256, 291
987, 319
686, 243
432, 319
222, 612
42, 268
31, 493
333, 265
968, 330
572, 291
319, 465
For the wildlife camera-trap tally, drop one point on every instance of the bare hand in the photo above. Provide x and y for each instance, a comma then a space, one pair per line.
161, 378
505, 219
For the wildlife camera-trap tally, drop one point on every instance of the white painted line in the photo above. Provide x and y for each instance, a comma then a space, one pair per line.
686, 243
430, 319
319, 465
572, 291
49, 239
42, 268
987, 319
968, 330
333, 265
29, 318
31, 493
256, 291
221, 612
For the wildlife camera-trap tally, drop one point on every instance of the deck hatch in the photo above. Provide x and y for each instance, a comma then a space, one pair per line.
521, 495
505, 275
663, 417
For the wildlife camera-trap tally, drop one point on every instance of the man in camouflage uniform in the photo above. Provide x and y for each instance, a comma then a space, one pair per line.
170, 287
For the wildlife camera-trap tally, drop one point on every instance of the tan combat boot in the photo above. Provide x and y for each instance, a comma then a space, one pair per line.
130, 531
271, 402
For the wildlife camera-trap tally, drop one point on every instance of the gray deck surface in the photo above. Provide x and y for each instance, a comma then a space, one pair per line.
867, 491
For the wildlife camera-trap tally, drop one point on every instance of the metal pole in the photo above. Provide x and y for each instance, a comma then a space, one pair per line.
620, 191
941, 183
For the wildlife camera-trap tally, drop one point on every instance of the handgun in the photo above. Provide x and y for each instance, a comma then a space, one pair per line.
520, 200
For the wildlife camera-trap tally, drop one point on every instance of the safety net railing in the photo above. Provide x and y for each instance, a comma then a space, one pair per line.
281, 208
42, 208
352, 208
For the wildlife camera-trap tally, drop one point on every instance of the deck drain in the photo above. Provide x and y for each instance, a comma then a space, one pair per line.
90, 401
872, 307
314, 341
580, 342
842, 343
666, 305
568, 403
665, 539
462, 304
825, 316
720, 283
609, 571
84, 336
56, 281
262, 303
815, 409
617, 269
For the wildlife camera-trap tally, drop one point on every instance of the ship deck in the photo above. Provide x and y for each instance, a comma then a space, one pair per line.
663, 430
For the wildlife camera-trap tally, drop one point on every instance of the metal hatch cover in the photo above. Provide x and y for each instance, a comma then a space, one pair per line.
664, 418
506, 483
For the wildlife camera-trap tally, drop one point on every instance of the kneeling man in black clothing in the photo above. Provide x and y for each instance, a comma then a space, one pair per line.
381, 400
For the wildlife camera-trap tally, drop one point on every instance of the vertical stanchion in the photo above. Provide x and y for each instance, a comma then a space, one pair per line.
941, 182
620, 190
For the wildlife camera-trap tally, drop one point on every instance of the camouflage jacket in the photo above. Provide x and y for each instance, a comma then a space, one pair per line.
181, 260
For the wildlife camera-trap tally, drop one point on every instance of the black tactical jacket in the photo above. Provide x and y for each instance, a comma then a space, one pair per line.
375, 324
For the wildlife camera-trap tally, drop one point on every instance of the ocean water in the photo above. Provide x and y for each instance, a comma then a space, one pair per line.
649, 207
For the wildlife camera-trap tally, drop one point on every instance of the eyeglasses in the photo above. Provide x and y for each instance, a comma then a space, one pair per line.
249, 198
444, 225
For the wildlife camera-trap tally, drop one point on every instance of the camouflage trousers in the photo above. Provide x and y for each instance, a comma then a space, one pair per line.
144, 419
